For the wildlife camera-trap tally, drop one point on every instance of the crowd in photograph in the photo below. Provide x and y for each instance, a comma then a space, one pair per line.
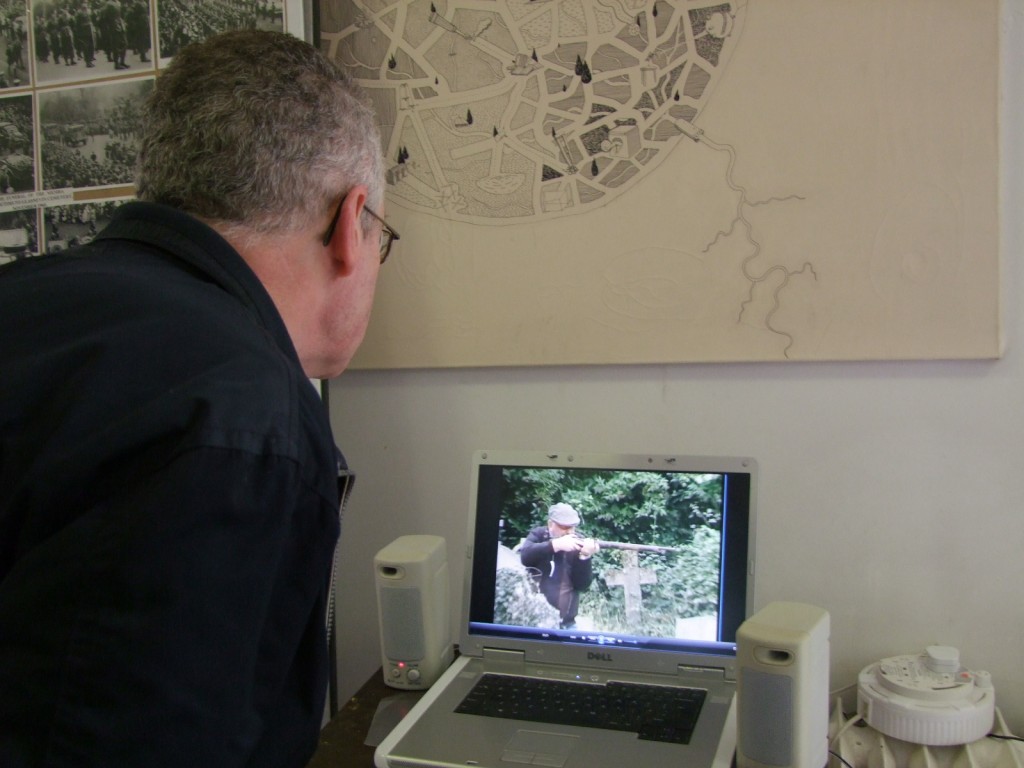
66, 167
183, 21
14, 40
71, 155
18, 237
71, 225
71, 32
17, 169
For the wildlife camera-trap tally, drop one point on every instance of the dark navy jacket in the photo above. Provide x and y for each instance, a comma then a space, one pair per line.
168, 508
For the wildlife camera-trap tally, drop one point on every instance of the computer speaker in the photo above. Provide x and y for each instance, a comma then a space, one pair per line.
411, 575
782, 687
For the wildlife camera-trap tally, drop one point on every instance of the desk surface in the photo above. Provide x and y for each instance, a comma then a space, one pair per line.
342, 739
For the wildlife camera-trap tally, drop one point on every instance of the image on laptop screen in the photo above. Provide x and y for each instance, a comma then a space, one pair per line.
661, 559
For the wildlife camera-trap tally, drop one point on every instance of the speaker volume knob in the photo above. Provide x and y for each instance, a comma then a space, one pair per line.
414, 675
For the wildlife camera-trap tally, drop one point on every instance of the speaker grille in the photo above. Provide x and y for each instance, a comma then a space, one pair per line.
402, 624
766, 717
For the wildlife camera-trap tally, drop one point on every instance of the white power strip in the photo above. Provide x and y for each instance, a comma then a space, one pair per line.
927, 698
856, 745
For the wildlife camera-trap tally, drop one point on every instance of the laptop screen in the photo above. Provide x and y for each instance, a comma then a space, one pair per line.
634, 553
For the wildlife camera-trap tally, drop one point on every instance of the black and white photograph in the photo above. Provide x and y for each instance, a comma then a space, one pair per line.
88, 39
19, 237
89, 133
84, 68
14, 42
66, 226
17, 166
180, 22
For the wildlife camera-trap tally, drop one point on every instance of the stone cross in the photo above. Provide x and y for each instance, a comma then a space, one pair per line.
631, 577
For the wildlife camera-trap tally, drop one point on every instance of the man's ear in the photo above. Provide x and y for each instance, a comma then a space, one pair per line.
348, 242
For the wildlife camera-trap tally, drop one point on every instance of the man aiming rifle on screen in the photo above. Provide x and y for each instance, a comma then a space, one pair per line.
562, 559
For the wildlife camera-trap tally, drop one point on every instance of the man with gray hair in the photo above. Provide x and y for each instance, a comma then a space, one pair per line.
169, 484
561, 561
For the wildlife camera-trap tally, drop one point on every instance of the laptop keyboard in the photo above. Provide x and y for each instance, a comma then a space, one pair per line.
654, 712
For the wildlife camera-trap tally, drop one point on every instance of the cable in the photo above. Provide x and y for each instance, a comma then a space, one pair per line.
834, 741
853, 720
840, 758
841, 691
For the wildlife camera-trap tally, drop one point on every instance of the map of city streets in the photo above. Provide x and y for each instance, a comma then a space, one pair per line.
506, 111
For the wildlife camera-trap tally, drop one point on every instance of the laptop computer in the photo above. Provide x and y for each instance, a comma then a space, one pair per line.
671, 581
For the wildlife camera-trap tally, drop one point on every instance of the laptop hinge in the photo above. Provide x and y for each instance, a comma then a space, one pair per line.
707, 673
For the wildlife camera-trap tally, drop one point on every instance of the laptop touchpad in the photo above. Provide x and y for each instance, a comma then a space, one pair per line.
539, 748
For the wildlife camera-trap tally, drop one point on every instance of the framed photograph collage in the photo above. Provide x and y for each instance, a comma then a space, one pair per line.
74, 75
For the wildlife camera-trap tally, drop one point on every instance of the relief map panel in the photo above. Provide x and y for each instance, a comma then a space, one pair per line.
659, 181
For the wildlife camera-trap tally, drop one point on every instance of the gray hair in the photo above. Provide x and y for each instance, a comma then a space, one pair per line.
259, 132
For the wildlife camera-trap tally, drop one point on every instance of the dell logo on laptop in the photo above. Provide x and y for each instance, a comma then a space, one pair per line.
595, 656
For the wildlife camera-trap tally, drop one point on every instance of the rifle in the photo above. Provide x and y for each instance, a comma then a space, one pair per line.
634, 547
637, 547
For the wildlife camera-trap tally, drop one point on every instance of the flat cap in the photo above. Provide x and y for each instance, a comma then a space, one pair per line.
563, 514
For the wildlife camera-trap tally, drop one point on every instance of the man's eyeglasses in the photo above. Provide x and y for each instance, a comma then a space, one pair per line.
388, 234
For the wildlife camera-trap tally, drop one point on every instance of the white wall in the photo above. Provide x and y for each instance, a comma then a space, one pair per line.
891, 494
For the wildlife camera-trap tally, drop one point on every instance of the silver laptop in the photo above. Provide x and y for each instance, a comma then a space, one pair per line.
618, 573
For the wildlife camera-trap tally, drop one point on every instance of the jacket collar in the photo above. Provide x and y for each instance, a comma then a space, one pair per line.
187, 239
